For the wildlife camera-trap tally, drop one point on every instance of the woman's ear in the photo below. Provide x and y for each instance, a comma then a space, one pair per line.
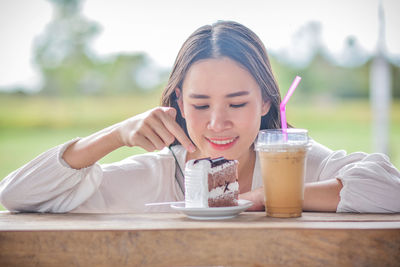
179, 100
266, 105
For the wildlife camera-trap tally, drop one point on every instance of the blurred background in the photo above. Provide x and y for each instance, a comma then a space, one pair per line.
70, 67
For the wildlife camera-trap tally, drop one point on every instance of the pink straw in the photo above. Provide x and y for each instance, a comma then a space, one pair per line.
285, 100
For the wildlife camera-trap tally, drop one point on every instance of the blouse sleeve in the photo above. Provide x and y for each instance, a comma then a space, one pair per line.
370, 182
129, 184
48, 184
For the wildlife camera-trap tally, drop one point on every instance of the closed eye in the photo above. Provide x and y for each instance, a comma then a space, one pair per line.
202, 107
238, 105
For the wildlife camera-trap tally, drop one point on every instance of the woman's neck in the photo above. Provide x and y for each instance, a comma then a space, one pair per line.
246, 170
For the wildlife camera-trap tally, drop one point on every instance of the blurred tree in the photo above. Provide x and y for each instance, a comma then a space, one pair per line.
62, 52
120, 73
68, 65
344, 75
321, 77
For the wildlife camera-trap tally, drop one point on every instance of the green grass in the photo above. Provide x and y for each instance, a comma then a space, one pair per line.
31, 125
346, 125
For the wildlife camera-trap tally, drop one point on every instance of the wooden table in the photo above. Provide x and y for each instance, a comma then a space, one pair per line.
171, 239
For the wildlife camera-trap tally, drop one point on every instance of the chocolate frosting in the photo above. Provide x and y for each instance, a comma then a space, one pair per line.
214, 162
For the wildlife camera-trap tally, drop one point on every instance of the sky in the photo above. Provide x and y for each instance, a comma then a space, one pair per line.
159, 28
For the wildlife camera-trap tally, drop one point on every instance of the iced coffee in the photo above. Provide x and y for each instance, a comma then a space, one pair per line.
282, 157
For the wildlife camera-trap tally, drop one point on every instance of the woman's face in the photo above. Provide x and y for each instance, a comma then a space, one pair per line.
222, 105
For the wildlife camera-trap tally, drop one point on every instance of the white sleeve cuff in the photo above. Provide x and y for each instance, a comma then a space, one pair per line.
370, 185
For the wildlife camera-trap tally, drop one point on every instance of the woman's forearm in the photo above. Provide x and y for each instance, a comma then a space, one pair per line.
322, 196
89, 150
151, 130
318, 196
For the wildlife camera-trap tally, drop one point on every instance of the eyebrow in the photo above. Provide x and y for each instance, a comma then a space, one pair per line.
240, 93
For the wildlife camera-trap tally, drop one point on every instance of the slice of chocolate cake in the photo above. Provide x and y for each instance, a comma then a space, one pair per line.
211, 183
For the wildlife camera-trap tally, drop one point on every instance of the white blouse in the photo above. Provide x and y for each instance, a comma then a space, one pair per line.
47, 184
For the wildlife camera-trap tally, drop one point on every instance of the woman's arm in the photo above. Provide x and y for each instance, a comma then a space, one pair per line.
154, 129
85, 152
318, 196
65, 176
47, 184
337, 181
370, 181
322, 196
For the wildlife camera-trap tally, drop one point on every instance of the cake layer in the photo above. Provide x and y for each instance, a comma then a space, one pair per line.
227, 173
226, 200
211, 183
224, 196
226, 189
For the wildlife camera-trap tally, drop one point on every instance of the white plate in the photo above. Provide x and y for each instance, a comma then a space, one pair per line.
217, 213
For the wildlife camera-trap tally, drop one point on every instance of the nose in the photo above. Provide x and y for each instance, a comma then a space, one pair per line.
219, 121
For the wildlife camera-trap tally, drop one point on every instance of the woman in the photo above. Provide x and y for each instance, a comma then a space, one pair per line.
221, 92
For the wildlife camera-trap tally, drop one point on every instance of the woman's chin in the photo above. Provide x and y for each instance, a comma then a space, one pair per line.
217, 154
208, 152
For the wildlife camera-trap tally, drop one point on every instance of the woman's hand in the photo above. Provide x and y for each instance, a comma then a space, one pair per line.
257, 197
154, 129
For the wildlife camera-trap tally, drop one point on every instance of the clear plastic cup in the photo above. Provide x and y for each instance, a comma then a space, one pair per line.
282, 157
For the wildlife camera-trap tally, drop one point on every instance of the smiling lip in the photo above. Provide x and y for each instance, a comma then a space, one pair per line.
222, 143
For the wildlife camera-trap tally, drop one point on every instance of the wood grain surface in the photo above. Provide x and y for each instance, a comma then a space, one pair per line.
168, 239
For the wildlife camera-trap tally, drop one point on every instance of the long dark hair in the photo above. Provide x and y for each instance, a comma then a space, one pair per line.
237, 42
